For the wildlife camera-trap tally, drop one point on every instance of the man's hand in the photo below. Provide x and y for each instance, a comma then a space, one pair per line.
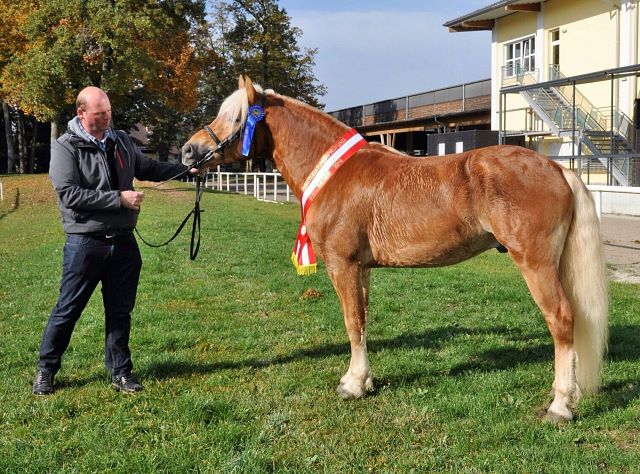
194, 171
131, 199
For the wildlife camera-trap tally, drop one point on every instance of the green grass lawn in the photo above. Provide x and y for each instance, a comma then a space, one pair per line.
240, 369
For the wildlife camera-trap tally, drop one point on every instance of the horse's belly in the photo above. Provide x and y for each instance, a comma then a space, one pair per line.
430, 253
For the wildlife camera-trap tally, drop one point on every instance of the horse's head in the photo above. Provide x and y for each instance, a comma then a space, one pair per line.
236, 134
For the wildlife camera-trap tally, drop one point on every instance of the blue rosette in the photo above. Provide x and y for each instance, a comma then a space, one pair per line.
256, 113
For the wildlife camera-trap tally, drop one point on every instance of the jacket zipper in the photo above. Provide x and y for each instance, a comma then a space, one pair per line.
106, 166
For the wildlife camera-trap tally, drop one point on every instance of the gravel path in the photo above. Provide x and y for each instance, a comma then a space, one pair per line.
621, 236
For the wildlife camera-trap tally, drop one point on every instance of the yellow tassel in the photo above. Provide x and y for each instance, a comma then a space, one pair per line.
303, 270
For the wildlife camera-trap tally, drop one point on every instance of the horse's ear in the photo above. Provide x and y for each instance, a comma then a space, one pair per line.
251, 91
240, 81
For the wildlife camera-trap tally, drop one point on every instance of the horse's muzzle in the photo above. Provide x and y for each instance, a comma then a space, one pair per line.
189, 155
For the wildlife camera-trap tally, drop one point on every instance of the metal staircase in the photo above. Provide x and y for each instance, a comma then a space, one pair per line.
604, 136
616, 146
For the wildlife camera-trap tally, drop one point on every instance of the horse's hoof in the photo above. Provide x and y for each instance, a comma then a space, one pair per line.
368, 385
349, 393
558, 418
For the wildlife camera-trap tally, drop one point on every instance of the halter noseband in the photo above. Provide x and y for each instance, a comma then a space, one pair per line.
221, 145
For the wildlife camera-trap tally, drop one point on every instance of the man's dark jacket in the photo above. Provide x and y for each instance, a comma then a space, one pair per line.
88, 194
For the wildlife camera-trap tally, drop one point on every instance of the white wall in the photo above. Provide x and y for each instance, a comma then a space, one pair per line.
617, 199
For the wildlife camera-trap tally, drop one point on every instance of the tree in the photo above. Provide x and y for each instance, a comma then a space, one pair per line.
160, 62
263, 44
138, 51
13, 16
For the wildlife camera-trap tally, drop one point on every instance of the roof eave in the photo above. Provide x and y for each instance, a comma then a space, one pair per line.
490, 13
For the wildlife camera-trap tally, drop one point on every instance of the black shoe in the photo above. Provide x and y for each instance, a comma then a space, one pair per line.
126, 384
43, 383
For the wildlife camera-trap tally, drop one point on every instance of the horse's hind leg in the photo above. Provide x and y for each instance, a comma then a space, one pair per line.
543, 281
351, 283
366, 276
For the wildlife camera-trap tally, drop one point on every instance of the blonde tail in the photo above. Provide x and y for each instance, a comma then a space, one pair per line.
584, 280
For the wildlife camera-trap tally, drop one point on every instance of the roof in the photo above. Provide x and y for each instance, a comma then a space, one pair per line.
484, 18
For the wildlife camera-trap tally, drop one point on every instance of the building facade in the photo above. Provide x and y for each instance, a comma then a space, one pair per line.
565, 75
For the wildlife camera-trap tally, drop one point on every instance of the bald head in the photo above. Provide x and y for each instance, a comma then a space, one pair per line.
90, 95
94, 111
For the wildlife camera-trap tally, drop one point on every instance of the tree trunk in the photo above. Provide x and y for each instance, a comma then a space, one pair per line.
265, 65
22, 144
34, 146
11, 153
54, 131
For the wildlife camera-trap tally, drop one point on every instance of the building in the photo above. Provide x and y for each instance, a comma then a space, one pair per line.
565, 78
408, 123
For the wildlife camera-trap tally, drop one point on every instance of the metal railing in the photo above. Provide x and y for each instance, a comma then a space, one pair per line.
588, 116
461, 98
599, 169
516, 74
620, 123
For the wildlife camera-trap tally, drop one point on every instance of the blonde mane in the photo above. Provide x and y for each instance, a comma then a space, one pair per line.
236, 106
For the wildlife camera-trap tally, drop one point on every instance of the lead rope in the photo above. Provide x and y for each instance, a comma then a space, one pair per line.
194, 247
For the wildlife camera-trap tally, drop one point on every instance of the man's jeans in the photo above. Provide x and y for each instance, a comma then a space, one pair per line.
88, 260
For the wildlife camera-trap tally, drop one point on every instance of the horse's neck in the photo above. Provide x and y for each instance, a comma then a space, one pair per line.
300, 135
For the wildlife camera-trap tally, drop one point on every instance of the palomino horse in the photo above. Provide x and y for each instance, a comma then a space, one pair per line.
386, 209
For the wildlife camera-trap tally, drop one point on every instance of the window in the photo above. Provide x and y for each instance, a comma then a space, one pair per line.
520, 57
441, 150
459, 147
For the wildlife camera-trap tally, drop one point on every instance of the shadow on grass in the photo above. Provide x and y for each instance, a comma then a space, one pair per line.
432, 339
75, 382
624, 342
616, 394
624, 346
14, 208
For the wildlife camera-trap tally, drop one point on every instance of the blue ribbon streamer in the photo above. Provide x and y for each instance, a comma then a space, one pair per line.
256, 113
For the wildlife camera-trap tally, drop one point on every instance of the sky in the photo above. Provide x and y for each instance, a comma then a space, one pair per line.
371, 50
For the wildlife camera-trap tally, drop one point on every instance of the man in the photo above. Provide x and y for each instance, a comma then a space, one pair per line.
92, 170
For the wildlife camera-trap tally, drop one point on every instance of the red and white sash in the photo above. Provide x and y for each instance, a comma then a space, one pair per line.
303, 256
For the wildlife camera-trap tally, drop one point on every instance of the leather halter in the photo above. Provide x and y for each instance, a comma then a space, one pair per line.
221, 145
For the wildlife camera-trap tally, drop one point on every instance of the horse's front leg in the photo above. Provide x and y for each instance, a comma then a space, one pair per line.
352, 284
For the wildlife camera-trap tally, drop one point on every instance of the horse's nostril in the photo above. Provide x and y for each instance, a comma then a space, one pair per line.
187, 153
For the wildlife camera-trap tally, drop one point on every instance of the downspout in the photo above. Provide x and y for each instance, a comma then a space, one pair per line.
634, 79
617, 11
636, 48
615, 94
541, 47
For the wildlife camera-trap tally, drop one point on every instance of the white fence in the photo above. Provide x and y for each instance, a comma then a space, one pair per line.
269, 187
